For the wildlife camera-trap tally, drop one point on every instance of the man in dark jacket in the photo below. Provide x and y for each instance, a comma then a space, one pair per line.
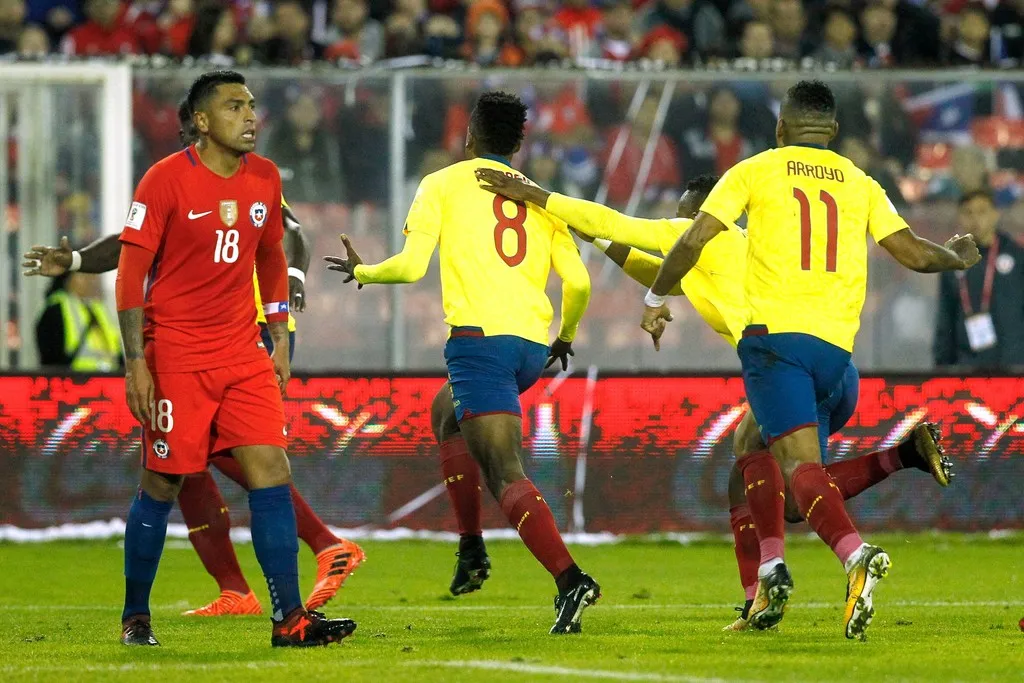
980, 323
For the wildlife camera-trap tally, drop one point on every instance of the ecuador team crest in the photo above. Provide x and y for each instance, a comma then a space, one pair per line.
258, 214
229, 212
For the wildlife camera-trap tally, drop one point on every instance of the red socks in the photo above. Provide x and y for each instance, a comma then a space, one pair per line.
766, 500
206, 516
526, 510
748, 549
312, 529
462, 481
856, 475
820, 502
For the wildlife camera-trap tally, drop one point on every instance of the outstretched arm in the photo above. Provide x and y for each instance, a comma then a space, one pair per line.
686, 252
565, 258
924, 256
99, 257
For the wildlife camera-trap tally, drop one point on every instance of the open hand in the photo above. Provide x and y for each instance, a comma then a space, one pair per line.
654, 322
515, 189
48, 261
139, 389
560, 350
282, 368
348, 264
964, 247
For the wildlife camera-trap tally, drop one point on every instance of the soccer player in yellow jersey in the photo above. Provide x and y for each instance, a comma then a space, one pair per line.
809, 211
495, 258
202, 506
715, 288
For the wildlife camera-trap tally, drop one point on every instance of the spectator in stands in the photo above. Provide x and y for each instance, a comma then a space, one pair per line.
292, 44
715, 144
917, 34
353, 34
969, 45
969, 173
740, 12
580, 23
663, 45
617, 40
486, 22
176, 24
75, 333
214, 35
33, 43
698, 20
878, 26
442, 36
55, 16
664, 172
12, 22
307, 153
840, 34
1008, 34
402, 36
363, 137
757, 42
788, 23
105, 33
980, 323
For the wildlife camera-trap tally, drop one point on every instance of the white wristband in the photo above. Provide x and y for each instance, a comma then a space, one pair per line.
654, 300
298, 274
76, 262
602, 244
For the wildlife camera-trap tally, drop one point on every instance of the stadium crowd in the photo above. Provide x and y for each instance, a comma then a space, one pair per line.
845, 33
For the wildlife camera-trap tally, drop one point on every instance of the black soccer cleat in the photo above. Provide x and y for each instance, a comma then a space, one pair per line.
570, 603
772, 595
923, 451
472, 568
137, 631
310, 629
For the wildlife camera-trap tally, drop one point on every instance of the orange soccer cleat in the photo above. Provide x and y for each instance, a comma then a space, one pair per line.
229, 603
333, 566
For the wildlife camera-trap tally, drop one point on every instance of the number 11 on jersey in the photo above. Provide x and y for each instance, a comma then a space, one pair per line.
831, 229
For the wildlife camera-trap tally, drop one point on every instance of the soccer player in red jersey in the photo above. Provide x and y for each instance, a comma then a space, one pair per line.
202, 505
202, 219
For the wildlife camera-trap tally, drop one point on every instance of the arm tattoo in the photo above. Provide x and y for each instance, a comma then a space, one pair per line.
279, 334
131, 332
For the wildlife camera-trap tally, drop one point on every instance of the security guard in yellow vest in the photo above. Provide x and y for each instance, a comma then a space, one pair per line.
75, 332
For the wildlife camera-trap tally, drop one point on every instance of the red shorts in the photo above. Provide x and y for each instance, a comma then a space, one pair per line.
199, 413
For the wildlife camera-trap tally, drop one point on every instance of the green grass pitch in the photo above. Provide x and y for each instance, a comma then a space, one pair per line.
948, 611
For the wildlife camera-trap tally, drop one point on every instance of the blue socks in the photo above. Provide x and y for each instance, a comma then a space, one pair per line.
276, 543
143, 543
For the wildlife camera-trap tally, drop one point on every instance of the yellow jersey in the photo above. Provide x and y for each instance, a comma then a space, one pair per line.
809, 211
495, 256
260, 318
714, 285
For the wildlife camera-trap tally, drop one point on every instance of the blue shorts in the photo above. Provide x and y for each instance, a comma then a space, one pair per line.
796, 380
487, 374
269, 343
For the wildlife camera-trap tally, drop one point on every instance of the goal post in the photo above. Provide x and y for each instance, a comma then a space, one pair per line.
30, 98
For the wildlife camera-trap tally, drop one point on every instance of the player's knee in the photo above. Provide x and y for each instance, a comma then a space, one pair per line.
442, 415
747, 439
792, 512
162, 487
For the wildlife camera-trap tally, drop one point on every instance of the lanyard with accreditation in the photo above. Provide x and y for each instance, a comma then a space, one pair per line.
981, 332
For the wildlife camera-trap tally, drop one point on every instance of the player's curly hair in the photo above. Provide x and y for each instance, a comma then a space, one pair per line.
702, 184
203, 87
498, 122
187, 131
812, 98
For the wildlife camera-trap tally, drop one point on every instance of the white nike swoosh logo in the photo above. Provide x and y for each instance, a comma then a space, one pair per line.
192, 215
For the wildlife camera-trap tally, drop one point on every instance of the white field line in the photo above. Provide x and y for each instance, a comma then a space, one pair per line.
412, 608
573, 673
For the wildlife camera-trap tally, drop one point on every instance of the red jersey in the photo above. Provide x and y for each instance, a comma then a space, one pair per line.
204, 230
92, 39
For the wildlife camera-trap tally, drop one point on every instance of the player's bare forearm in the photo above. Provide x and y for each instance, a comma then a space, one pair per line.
131, 323
296, 245
279, 335
686, 252
101, 256
618, 253
924, 256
